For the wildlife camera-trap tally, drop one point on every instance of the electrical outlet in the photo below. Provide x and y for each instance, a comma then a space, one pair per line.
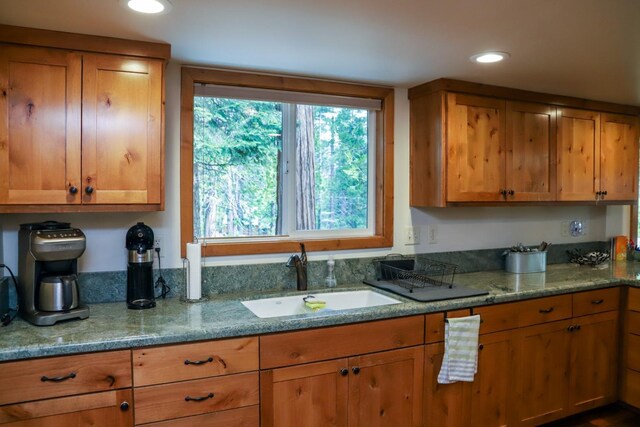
158, 242
432, 234
412, 236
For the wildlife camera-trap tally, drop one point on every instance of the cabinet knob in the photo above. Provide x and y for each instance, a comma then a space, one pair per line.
124, 406
355, 370
503, 192
73, 190
604, 193
571, 328
511, 192
88, 189
344, 372
481, 346
577, 327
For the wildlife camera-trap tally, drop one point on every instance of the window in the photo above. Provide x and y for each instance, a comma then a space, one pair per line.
267, 163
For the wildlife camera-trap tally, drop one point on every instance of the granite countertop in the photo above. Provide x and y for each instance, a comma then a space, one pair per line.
112, 326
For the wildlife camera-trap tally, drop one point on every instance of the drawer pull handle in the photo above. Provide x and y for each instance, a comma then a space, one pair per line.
546, 310
198, 362
198, 399
597, 301
44, 378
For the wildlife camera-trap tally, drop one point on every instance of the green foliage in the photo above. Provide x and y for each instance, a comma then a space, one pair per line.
237, 148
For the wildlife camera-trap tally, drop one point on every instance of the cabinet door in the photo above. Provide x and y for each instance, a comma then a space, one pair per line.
619, 157
594, 361
105, 409
445, 405
531, 152
39, 126
122, 148
385, 389
313, 395
491, 389
578, 154
542, 372
475, 148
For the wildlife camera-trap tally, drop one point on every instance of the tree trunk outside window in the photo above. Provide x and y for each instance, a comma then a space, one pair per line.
305, 169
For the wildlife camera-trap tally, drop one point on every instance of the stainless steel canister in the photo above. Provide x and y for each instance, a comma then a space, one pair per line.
526, 262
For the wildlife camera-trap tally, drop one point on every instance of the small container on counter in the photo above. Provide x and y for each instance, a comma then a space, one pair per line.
526, 262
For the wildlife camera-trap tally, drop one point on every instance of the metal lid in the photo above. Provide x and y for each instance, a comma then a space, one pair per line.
46, 225
139, 238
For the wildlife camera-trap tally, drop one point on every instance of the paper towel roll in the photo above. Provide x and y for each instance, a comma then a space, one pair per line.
194, 286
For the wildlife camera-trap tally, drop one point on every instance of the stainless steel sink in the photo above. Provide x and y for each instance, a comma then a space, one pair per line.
295, 305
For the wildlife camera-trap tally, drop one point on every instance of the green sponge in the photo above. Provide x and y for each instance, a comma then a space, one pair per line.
315, 305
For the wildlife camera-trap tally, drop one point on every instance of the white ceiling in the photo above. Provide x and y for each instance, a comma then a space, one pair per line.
584, 48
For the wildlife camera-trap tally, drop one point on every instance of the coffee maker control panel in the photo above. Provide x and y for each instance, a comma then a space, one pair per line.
50, 245
60, 234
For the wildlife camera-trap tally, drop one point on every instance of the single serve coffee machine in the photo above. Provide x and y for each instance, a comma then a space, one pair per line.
48, 255
140, 289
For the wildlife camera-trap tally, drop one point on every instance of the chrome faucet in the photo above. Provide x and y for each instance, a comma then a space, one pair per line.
300, 264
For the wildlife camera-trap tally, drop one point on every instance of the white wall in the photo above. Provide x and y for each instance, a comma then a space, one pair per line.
458, 228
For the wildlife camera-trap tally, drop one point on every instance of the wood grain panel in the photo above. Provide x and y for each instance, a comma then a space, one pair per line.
633, 352
597, 301
313, 395
499, 317
240, 417
387, 389
491, 399
22, 380
619, 157
531, 152
593, 361
95, 409
578, 154
435, 324
168, 401
445, 405
633, 323
292, 348
475, 148
542, 372
633, 299
122, 130
39, 126
212, 358
632, 392
426, 151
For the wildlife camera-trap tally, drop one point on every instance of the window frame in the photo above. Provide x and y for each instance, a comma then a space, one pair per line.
383, 226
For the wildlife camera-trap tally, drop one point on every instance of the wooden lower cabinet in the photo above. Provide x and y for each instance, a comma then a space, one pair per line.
485, 400
379, 389
104, 409
565, 367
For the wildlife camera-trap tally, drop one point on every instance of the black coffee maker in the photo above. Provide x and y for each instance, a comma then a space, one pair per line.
140, 290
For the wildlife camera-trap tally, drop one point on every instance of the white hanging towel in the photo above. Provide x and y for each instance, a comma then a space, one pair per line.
460, 362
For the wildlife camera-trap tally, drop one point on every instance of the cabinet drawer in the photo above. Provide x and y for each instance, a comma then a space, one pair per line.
168, 401
633, 352
598, 301
241, 417
291, 348
94, 409
62, 376
634, 299
435, 324
633, 322
543, 310
166, 364
500, 317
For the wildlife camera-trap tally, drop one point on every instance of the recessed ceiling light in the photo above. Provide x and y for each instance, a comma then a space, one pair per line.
489, 57
148, 6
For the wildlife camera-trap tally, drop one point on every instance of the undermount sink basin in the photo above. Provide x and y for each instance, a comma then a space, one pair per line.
290, 306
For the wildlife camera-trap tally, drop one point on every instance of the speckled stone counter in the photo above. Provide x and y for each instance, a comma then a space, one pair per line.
112, 326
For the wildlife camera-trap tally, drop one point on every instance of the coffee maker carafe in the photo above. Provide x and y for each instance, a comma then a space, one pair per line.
48, 255
140, 290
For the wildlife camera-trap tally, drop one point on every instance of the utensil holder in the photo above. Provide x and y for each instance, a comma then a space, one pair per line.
526, 262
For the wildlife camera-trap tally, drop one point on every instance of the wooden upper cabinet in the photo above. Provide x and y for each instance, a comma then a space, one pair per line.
578, 154
39, 126
619, 157
121, 130
475, 148
81, 122
488, 145
531, 152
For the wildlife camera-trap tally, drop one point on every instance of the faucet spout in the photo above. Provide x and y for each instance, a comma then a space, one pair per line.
299, 262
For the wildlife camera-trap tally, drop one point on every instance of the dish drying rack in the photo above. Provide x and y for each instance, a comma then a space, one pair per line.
401, 271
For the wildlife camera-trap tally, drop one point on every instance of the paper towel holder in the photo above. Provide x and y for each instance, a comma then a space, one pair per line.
186, 267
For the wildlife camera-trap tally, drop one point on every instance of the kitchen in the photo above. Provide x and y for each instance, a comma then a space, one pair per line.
457, 229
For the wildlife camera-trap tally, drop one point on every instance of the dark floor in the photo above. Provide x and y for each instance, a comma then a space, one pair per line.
609, 416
